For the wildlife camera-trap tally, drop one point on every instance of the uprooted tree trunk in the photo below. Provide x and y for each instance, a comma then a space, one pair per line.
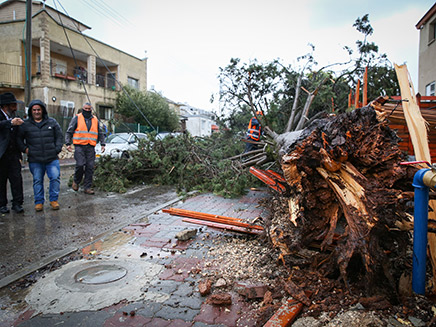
346, 195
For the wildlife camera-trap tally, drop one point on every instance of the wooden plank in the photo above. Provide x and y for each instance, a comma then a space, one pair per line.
285, 315
418, 133
222, 226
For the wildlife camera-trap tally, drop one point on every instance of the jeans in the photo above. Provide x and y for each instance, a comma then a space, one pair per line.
38, 171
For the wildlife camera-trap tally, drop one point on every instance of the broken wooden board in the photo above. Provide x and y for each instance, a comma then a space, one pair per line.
418, 133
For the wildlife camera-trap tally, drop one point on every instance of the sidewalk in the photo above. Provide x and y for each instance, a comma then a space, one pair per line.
143, 276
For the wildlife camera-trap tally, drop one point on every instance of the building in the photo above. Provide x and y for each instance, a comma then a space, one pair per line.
427, 53
198, 122
68, 67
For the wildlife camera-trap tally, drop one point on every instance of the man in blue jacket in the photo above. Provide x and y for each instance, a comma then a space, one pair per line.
10, 165
40, 137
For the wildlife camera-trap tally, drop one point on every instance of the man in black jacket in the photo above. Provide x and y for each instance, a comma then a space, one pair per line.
40, 137
10, 165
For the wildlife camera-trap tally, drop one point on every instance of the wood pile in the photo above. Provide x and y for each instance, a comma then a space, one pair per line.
347, 195
393, 108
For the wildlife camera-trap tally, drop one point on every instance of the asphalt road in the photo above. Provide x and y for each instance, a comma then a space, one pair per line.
29, 239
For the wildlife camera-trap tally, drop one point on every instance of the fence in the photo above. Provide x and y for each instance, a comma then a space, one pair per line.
132, 127
64, 121
53, 113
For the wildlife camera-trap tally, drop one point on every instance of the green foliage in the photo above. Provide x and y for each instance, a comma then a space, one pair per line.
272, 86
146, 108
186, 162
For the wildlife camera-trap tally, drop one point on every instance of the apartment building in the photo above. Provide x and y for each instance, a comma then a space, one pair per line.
427, 53
68, 67
197, 122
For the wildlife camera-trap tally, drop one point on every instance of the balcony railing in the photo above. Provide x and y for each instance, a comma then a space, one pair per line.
11, 74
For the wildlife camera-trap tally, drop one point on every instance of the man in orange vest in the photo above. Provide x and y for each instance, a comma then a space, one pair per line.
84, 132
254, 132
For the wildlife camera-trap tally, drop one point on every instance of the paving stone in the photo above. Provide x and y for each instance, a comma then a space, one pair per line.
185, 306
180, 323
185, 289
169, 312
163, 286
191, 302
227, 315
71, 319
149, 309
121, 319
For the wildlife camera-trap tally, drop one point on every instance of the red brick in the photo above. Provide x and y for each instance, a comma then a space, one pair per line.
251, 291
204, 287
220, 299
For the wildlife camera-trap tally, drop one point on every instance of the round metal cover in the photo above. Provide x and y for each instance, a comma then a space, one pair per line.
101, 274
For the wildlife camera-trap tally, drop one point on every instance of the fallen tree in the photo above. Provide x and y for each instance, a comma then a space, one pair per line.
347, 194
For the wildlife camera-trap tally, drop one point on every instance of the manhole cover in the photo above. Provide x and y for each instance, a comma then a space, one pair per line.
101, 274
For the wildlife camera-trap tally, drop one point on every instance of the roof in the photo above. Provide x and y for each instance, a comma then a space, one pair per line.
49, 10
424, 20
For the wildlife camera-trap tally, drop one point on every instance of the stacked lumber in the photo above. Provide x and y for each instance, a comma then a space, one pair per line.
393, 109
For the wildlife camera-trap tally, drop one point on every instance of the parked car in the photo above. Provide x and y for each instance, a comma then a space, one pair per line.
119, 145
162, 135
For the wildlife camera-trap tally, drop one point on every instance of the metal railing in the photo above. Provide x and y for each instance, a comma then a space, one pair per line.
14, 75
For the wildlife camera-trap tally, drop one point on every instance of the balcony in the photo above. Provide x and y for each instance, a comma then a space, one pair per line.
14, 75
11, 75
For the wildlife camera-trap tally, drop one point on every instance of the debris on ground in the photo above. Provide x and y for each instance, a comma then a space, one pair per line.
334, 232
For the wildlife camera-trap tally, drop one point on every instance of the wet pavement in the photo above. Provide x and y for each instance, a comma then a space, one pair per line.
135, 275
32, 239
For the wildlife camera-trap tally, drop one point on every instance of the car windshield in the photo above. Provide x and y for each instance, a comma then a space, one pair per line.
118, 138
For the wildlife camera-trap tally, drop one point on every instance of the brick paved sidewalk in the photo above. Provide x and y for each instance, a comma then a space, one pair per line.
172, 297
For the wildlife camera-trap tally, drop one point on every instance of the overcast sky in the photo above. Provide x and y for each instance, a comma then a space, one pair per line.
186, 41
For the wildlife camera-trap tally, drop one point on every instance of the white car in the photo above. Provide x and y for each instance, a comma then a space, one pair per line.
162, 135
118, 145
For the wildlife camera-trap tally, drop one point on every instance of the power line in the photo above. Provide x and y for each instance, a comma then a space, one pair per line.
101, 12
102, 61
113, 12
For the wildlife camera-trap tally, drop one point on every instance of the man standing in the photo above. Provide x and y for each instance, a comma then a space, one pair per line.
40, 137
10, 165
254, 131
84, 132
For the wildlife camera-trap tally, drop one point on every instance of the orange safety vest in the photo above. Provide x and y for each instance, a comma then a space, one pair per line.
253, 130
82, 136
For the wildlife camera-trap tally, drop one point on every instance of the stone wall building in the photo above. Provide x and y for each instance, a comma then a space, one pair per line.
63, 77
427, 53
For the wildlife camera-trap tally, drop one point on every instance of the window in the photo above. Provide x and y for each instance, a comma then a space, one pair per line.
38, 64
133, 82
67, 108
432, 32
430, 89
111, 78
105, 112
60, 67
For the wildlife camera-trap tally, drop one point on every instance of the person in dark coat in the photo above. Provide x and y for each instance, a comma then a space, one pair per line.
10, 165
40, 137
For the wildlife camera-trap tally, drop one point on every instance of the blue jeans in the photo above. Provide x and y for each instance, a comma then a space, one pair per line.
38, 171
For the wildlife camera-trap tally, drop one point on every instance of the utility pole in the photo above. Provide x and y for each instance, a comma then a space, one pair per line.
28, 53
